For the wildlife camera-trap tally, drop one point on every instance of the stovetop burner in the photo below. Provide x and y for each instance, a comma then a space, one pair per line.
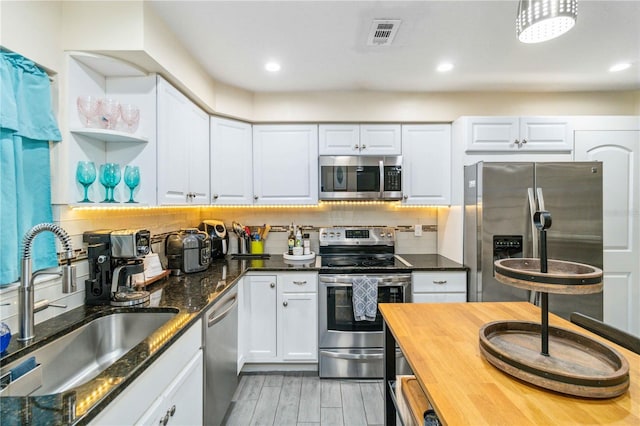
358, 249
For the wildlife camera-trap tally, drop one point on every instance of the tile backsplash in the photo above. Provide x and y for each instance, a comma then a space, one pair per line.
166, 219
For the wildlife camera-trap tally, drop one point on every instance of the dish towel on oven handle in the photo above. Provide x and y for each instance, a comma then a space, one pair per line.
365, 298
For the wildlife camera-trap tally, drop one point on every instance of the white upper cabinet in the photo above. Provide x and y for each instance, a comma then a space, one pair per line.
231, 162
183, 148
518, 134
92, 140
285, 164
426, 164
339, 139
364, 139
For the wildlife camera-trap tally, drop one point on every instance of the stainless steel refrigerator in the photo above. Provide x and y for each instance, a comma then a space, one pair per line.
499, 201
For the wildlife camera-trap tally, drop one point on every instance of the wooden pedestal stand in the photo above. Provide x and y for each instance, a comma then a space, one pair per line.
550, 357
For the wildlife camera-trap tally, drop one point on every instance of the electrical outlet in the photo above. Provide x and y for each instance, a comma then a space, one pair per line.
417, 230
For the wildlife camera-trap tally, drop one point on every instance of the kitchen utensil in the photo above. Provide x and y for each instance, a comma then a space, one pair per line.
237, 228
247, 231
267, 228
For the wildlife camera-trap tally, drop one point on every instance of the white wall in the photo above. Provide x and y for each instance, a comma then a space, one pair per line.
32, 28
434, 107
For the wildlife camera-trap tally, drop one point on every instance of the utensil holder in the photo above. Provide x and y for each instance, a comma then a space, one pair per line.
257, 247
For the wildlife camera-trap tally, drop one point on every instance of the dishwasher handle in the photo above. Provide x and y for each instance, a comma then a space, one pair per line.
215, 317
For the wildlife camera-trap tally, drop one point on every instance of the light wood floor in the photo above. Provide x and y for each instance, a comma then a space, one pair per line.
296, 400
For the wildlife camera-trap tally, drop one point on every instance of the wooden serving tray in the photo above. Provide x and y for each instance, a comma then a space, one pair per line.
577, 365
415, 398
152, 280
562, 277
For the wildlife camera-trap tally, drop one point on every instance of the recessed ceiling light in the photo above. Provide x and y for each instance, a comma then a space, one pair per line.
444, 67
620, 67
272, 66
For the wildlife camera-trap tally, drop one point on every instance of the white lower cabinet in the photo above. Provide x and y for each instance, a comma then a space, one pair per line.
178, 404
260, 311
439, 286
174, 379
279, 318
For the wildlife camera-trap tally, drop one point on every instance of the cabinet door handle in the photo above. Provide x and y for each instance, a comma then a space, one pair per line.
165, 419
356, 146
285, 303
440, 282
255, 197
272, 285
215, 196
524, 141
172, 411
300, 282
405, 197
363, 146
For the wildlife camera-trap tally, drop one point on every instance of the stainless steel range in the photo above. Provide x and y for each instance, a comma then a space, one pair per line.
349, 347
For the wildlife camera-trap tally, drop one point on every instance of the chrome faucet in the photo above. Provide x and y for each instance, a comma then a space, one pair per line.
26, 289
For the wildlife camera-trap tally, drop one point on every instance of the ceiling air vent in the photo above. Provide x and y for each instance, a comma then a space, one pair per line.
382, 32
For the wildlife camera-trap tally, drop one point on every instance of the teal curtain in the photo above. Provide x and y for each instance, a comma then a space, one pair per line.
27, 124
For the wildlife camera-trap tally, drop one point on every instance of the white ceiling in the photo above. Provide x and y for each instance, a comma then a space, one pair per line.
321, 45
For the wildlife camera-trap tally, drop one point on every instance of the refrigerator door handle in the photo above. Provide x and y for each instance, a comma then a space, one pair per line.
532, 211
540, 198
534, 297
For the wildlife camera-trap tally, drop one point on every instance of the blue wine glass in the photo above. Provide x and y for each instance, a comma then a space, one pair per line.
86, 175
132, 179
104, 175
113, 178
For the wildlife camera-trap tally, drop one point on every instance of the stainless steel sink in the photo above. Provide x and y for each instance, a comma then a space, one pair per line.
81, 355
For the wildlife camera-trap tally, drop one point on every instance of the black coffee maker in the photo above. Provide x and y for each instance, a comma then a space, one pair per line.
219, 237
114, 257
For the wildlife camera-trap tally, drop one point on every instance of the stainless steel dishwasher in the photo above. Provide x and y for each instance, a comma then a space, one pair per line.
221, 357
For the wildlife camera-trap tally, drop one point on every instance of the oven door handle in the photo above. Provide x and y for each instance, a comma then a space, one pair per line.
348, 280
357, 357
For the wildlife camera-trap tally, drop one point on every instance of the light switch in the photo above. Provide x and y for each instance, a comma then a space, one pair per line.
417, 230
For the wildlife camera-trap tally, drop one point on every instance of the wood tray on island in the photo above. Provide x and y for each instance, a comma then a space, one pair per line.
550, 357
562, 277
577, 365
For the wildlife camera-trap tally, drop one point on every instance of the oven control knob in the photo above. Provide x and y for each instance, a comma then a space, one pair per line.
337, 235
324, 235
331, 234
388, 234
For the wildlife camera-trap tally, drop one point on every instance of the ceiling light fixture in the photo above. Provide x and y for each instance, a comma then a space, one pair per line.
620, 67
542, 20
444, 67
272, 66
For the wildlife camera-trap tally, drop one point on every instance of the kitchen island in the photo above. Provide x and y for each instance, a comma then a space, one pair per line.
440, 343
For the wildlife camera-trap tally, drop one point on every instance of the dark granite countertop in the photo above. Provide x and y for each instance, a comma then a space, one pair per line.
431, 262
188, 295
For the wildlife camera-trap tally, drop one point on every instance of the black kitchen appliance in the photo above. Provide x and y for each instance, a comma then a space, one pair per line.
219, 237
114, 257
349, 347
187, 251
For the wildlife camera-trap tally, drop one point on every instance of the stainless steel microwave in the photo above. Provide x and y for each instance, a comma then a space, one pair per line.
351, 177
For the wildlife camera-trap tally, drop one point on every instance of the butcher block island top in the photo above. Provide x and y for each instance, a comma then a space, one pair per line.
440, 343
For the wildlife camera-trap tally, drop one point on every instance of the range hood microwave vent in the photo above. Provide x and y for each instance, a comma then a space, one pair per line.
382, 32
